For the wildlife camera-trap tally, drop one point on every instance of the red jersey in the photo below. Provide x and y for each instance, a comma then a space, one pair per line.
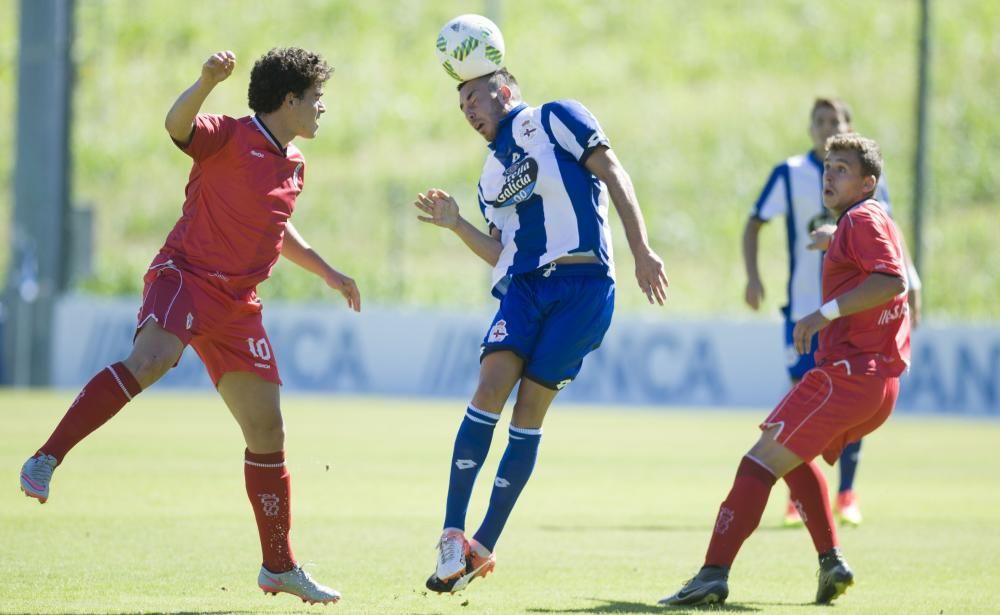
878, 339
239, 196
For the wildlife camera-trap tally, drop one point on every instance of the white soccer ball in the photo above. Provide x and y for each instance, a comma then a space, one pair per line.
470, 46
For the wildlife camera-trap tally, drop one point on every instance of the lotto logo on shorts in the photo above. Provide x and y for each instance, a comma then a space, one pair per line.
269, 502
499, 331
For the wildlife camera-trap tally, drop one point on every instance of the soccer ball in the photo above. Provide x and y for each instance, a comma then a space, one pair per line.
470, 46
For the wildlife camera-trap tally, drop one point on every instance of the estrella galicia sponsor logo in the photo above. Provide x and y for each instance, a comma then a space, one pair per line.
519, 183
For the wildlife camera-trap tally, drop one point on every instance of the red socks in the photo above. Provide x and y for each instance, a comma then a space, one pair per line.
740, 513
810, 495
102, 398
269, 490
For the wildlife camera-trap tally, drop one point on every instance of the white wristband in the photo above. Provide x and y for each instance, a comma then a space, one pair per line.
830, 310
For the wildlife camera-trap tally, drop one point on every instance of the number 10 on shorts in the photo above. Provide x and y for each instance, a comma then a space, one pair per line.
259, 348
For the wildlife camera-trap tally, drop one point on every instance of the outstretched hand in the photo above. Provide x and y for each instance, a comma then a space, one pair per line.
805, 329
651, 277
218, 67
347, 287
820, 238
440, 207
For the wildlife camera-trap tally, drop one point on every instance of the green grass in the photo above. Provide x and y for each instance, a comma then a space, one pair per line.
699, 99
150, 514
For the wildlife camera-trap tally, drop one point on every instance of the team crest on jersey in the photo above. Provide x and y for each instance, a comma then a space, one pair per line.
499, 331
518, 183
190, 321
297, 175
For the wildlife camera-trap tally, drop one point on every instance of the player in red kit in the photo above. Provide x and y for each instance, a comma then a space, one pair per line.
864, 346
200, 290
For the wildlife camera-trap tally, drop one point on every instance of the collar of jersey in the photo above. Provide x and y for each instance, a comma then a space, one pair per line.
267, 135
861, 202
507, 119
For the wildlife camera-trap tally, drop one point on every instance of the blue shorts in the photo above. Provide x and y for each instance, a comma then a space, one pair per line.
798, 364
553, 322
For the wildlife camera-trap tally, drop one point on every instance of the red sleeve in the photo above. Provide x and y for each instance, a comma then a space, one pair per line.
210, 134
873, 243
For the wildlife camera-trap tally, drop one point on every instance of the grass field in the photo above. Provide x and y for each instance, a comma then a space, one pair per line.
150, 514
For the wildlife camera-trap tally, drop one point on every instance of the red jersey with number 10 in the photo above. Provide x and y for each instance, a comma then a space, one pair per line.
878, 339
239, 196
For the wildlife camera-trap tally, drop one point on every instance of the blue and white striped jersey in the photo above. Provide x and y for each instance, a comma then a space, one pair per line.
795, 190
536, 190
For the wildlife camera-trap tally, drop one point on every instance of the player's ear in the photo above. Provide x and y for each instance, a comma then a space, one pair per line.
505, 94
870, 183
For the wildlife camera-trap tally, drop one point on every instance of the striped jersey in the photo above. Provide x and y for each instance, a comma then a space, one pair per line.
537, 192
795, 191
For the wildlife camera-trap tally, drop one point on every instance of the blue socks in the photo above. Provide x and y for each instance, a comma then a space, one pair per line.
849, 465
471, 446
515, 469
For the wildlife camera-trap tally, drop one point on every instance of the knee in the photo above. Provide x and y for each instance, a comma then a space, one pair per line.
148, 367
266, 432
490, 397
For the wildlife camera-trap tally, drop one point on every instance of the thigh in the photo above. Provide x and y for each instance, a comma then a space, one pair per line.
822, 409
574, 326
498, 373
239, 345
256, 405
154, 351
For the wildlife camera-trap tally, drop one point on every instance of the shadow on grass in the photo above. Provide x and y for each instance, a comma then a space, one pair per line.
649, 528
617, 606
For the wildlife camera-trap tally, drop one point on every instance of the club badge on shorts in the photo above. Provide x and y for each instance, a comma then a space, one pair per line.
499, 331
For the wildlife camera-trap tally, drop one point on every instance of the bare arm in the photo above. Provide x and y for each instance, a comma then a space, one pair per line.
442, 210
648, 266
754, 292
180, 119
295, 249
878, 288
913, 283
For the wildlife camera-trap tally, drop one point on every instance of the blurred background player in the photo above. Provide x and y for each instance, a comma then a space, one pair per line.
864, 346
544, 194
201, 287
794, 190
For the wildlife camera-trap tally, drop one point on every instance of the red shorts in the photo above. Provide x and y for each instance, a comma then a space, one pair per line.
830, 408
226, 332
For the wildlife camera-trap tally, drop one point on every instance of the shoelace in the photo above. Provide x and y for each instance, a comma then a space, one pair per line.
41, 470
449, 547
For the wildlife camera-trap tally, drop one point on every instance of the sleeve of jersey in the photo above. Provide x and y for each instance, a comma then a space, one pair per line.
573, 128
873, 244
773, 199
209, 136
